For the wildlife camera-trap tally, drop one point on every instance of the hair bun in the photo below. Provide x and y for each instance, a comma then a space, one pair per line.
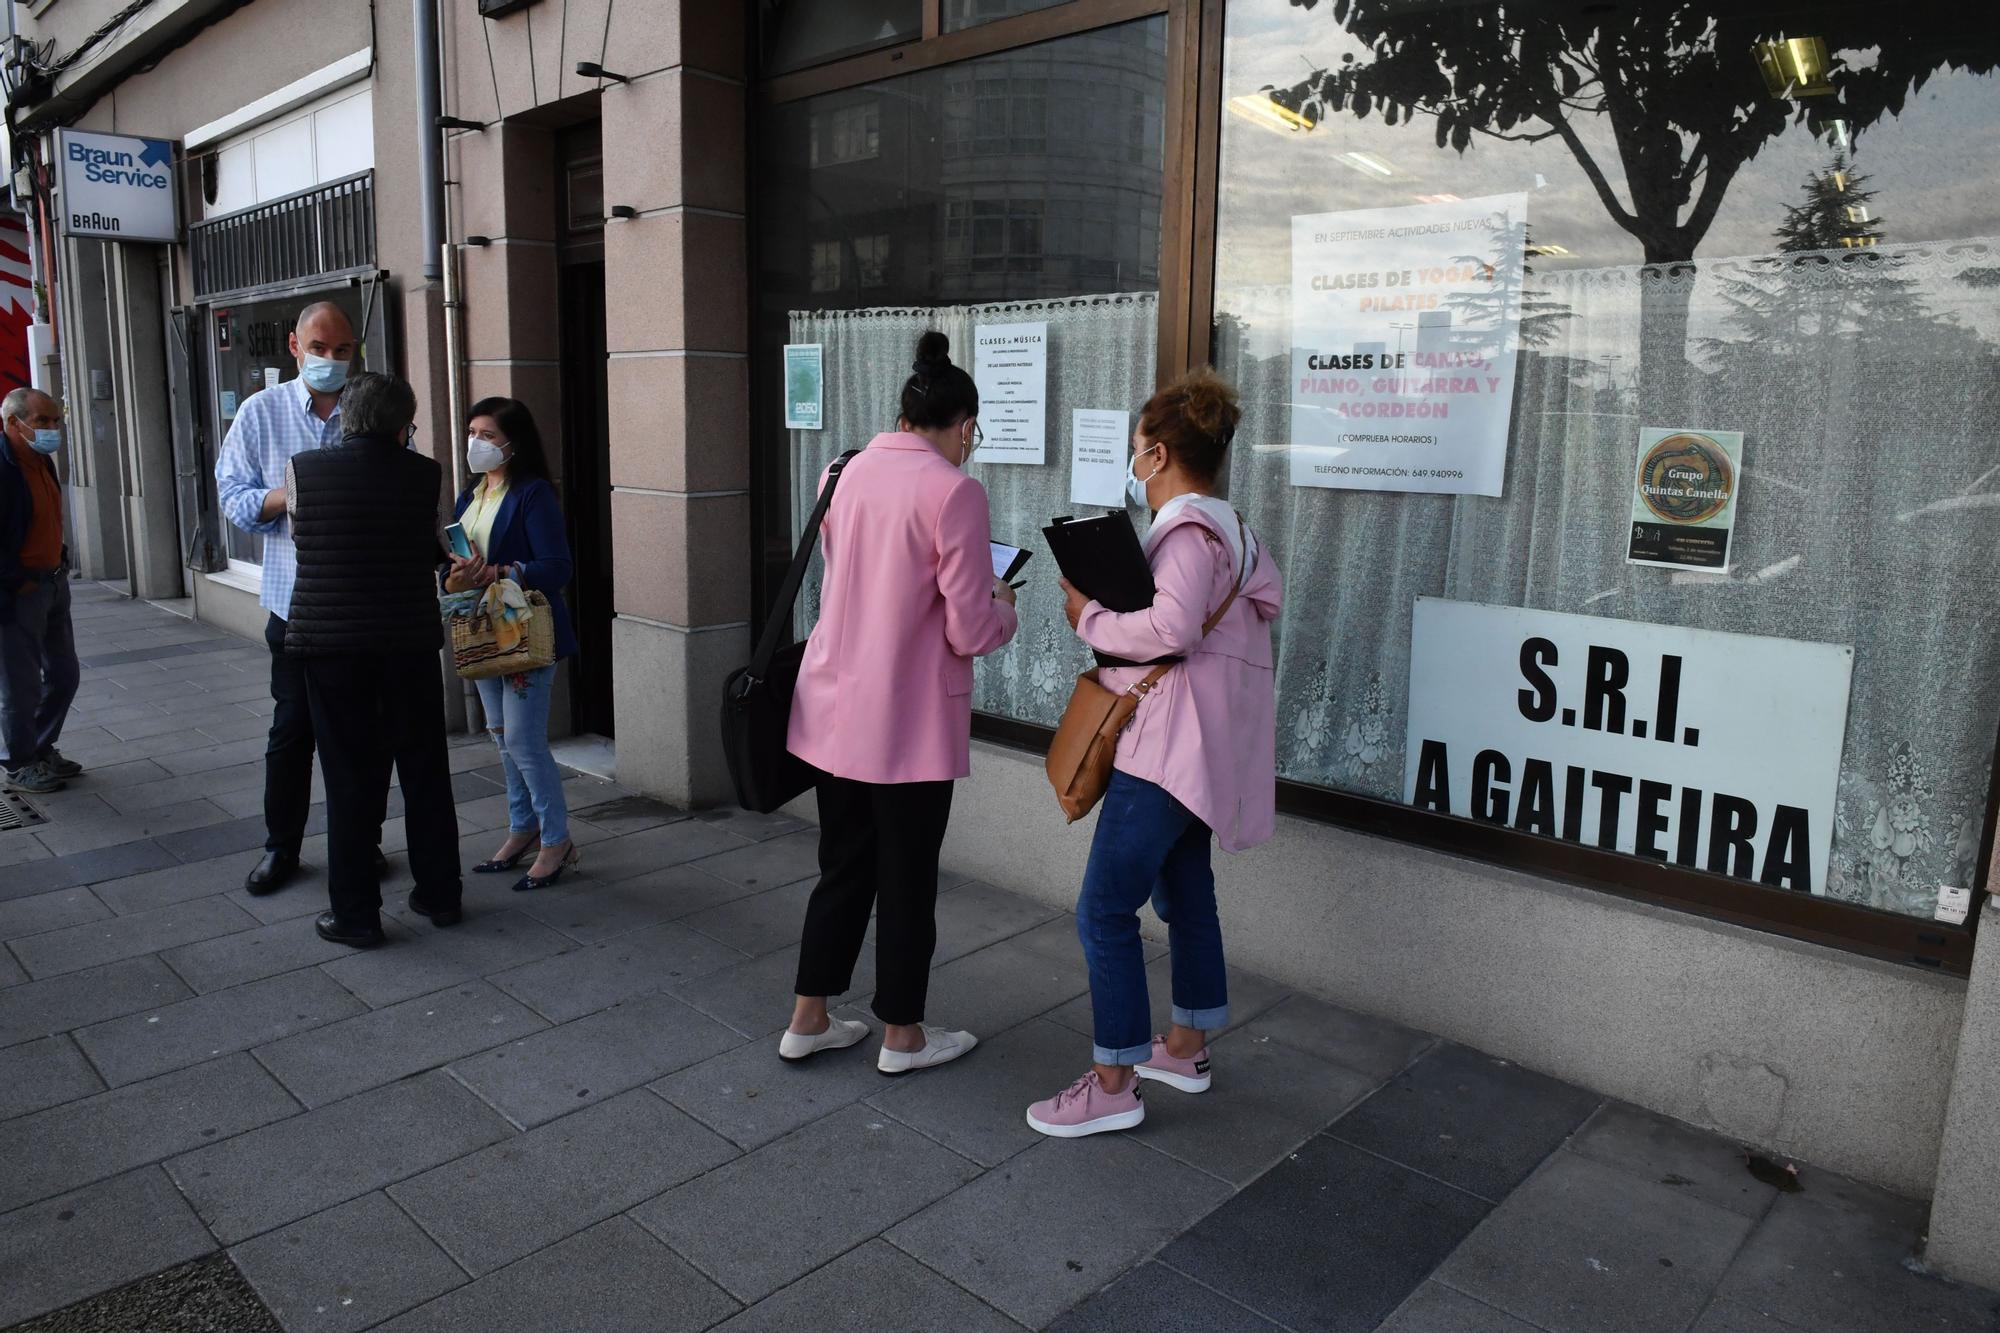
933, 353
1209, 404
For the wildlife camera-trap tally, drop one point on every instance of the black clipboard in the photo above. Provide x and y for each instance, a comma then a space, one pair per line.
1102, 558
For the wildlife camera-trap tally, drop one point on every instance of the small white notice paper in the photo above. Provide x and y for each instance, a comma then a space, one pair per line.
1097, 457
1011, 369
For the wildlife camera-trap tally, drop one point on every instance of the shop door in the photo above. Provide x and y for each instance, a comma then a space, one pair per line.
586, 426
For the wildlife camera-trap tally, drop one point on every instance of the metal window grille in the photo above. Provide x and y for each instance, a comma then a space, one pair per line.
323, 232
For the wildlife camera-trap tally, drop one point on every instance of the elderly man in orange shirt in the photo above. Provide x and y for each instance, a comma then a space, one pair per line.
38, 667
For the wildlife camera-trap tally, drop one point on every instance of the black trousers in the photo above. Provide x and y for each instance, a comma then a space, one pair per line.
878, 848
288, 754
372, 713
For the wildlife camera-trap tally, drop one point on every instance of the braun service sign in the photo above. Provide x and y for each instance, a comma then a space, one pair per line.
117, 187
1710, 750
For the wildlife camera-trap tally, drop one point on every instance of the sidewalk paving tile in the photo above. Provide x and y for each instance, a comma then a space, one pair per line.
751, 1097
630, 814
752, 1227
69, 1146
58, 1004
262, 1180
749, 824
18, 847
1052, 1225
10, 971
507, 1201
766, 865
1583, 1247
339, 1060
49, 911
167, 789
430, 959
142, 1045
1473, 1121
873, 1288
978, 1105
974, 915
590, 910
656, 849
591, 1059
78, 947
39, 1074
162, 824
1830, 1259
584, 980
1153, 1298
1699, 1165
304, 896
209, 756
224, 837
1002, 985
758, 924
755, 997
62, 1250
347, 1268
1436, 1308
125, 858
251, 955
1264, 1101
177, 883
1728, 1317
1375, 1231
1352, 1040
613, 1278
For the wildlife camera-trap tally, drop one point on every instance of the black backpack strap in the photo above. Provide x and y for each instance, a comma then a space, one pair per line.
788, 592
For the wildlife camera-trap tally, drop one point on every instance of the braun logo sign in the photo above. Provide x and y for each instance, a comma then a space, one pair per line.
116, 186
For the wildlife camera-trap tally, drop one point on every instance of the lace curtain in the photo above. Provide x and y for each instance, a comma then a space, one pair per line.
1100, 355
1870, 402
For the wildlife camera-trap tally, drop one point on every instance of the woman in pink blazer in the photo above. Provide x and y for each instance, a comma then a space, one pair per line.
1198, 761
884, 710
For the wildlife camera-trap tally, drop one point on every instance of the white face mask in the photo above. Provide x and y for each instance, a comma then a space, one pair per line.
1135, 486
483, 455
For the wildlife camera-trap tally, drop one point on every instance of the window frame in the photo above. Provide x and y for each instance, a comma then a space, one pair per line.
1187, 231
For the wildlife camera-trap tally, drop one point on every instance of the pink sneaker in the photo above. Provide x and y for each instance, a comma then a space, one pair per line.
1187, 1075
1084, 1107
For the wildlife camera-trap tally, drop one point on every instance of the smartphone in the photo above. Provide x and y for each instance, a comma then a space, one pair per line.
461, 545
1007, 560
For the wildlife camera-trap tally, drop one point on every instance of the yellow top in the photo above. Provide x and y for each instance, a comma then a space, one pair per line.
479, 515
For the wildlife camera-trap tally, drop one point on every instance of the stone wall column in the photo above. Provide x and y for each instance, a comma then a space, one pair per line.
677, 322
1965, 1209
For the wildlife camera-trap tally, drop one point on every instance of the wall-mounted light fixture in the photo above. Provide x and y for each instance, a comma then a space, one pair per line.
458, 123
590, 69
479, 241
624, 211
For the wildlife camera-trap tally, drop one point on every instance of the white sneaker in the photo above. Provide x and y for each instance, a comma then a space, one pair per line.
839, 1035
941, 1046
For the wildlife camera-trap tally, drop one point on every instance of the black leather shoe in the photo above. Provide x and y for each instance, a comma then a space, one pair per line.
272, 873
354, 937
439, 916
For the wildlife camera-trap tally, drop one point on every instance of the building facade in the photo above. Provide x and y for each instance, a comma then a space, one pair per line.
1619, 398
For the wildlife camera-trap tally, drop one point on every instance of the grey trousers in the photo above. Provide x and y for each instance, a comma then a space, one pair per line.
38, 672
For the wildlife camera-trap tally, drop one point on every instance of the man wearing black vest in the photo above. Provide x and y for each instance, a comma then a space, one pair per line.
366, 521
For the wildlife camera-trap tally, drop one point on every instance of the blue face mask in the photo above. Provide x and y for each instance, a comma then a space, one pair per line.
323, 374
46, 441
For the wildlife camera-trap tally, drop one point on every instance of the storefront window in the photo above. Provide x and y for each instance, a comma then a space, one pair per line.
797, 33
1518, 298
1022, 188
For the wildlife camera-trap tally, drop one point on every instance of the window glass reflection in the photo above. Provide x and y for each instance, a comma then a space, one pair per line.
1771, 219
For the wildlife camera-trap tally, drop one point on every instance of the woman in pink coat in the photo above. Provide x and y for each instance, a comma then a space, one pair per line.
884, 710
1197, 762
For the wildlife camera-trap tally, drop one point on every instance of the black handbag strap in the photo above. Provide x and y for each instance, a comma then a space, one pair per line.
795, 577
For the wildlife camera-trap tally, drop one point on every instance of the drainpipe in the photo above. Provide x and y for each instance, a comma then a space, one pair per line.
430, 156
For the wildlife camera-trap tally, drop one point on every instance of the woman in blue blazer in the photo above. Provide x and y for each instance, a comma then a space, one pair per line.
515, 522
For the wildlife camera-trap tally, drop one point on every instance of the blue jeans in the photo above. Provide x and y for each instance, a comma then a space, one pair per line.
1148, 845
517, 713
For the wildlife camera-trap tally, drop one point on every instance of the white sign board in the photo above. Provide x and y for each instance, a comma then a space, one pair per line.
1405, 325
116, 187
1097, 444
1711, 750
1011, 370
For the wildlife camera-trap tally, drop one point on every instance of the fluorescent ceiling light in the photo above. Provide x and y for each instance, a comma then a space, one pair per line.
1794, 67
1548, 250
1259, 109
1439, 199
1372, 163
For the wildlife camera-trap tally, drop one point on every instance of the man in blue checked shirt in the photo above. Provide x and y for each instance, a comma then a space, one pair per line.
274, 425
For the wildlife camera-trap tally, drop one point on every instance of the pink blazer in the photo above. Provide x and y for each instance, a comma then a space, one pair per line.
885, 691
1208, 733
